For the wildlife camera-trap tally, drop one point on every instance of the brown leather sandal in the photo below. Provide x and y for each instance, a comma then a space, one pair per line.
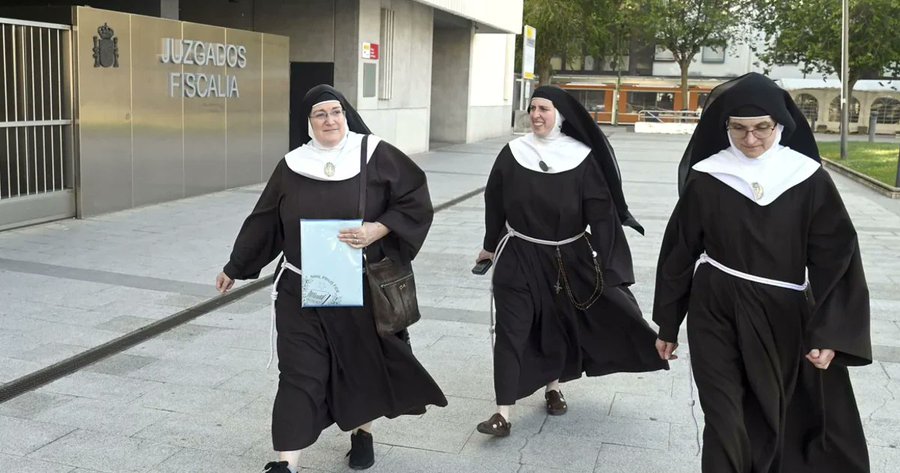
556, 403
496, 426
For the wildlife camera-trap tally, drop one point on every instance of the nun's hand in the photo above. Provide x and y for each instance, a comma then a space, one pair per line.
483, 255
666, 349
820, 358
223, 282
361, 237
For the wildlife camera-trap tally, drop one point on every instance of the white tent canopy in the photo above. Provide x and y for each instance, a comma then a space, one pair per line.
868, 85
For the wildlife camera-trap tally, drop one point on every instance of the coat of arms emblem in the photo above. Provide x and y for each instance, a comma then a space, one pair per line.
106, 47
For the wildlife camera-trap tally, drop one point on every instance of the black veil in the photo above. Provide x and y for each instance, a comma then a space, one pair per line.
323, 92
581, 126
755, 90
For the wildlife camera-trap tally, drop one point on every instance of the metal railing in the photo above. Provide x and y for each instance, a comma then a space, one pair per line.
669, 116
35, 108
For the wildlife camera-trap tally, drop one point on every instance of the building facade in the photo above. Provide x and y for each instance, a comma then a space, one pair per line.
143, 128
651, 82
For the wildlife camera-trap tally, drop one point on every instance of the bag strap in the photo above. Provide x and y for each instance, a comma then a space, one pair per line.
363, 164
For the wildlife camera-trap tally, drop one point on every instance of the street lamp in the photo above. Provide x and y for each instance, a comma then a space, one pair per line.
845, 75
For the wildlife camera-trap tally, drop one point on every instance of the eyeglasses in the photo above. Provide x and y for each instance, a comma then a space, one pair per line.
761, 132
322, 115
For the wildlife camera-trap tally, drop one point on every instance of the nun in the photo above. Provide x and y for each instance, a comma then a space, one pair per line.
333, 366
563, 304
761, 252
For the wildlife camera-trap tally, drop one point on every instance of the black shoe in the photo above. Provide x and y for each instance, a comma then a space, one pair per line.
556, 403
276, 467
362, 450
497, 426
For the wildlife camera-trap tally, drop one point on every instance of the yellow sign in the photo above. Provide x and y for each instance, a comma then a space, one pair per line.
528, 39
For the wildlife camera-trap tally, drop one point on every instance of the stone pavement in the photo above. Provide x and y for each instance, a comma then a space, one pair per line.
198, 398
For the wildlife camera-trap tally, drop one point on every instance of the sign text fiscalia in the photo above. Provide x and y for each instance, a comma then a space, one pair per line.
203, 53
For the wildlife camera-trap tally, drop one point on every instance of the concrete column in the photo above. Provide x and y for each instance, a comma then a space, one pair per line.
450, 84
346, 48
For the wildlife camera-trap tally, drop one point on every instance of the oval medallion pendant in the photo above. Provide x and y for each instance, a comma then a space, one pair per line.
329, 169
757, 190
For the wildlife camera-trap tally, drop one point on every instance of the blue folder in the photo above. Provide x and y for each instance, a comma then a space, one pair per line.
332, 269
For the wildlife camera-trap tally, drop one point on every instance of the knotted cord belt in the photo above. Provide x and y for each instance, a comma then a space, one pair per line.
562, 280
705, 258
273, 333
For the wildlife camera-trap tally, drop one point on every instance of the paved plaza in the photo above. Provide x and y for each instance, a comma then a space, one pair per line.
199, 397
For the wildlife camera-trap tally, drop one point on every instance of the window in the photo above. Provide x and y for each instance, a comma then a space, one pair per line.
642, 59
701, 99
886, 111
808, 106
593, 100
588, 63
663, 54
834, 110
556, 63
573, 63
638, 101
713, 54
665, 101
386, 56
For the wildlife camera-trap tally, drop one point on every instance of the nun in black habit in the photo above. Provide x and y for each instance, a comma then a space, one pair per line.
563, 304
761, 252
334, 367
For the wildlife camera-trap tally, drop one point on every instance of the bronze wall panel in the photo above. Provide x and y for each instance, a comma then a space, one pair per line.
157, 131
145, 135
205, 137
276, 82
244, 112
104, 180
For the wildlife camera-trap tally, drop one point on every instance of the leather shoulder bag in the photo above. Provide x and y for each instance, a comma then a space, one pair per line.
392, 285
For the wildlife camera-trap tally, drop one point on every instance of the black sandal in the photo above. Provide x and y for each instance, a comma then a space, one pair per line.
497, 426
556, 403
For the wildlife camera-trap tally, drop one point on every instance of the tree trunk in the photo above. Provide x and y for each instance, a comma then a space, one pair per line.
684, 65
544, 70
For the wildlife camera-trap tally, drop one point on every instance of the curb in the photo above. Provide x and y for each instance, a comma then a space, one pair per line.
60, 369
876, 185
74, 363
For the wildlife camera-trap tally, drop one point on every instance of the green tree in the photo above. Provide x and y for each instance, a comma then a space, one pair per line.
567, 28
809, 33
628, 22
618, 24
684, 27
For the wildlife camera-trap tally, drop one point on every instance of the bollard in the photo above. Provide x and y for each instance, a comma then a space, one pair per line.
897, 179
873, 118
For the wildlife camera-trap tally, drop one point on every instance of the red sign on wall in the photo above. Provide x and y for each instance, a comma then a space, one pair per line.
370, 50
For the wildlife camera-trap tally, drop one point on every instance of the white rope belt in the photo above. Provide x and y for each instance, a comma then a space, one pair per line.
274, 294
511, 233
704, 258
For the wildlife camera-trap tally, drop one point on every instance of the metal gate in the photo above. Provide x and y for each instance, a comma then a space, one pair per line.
36, 148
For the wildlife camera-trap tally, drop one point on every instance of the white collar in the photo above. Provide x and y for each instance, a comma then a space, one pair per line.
311, 159
558, 151
763, 179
